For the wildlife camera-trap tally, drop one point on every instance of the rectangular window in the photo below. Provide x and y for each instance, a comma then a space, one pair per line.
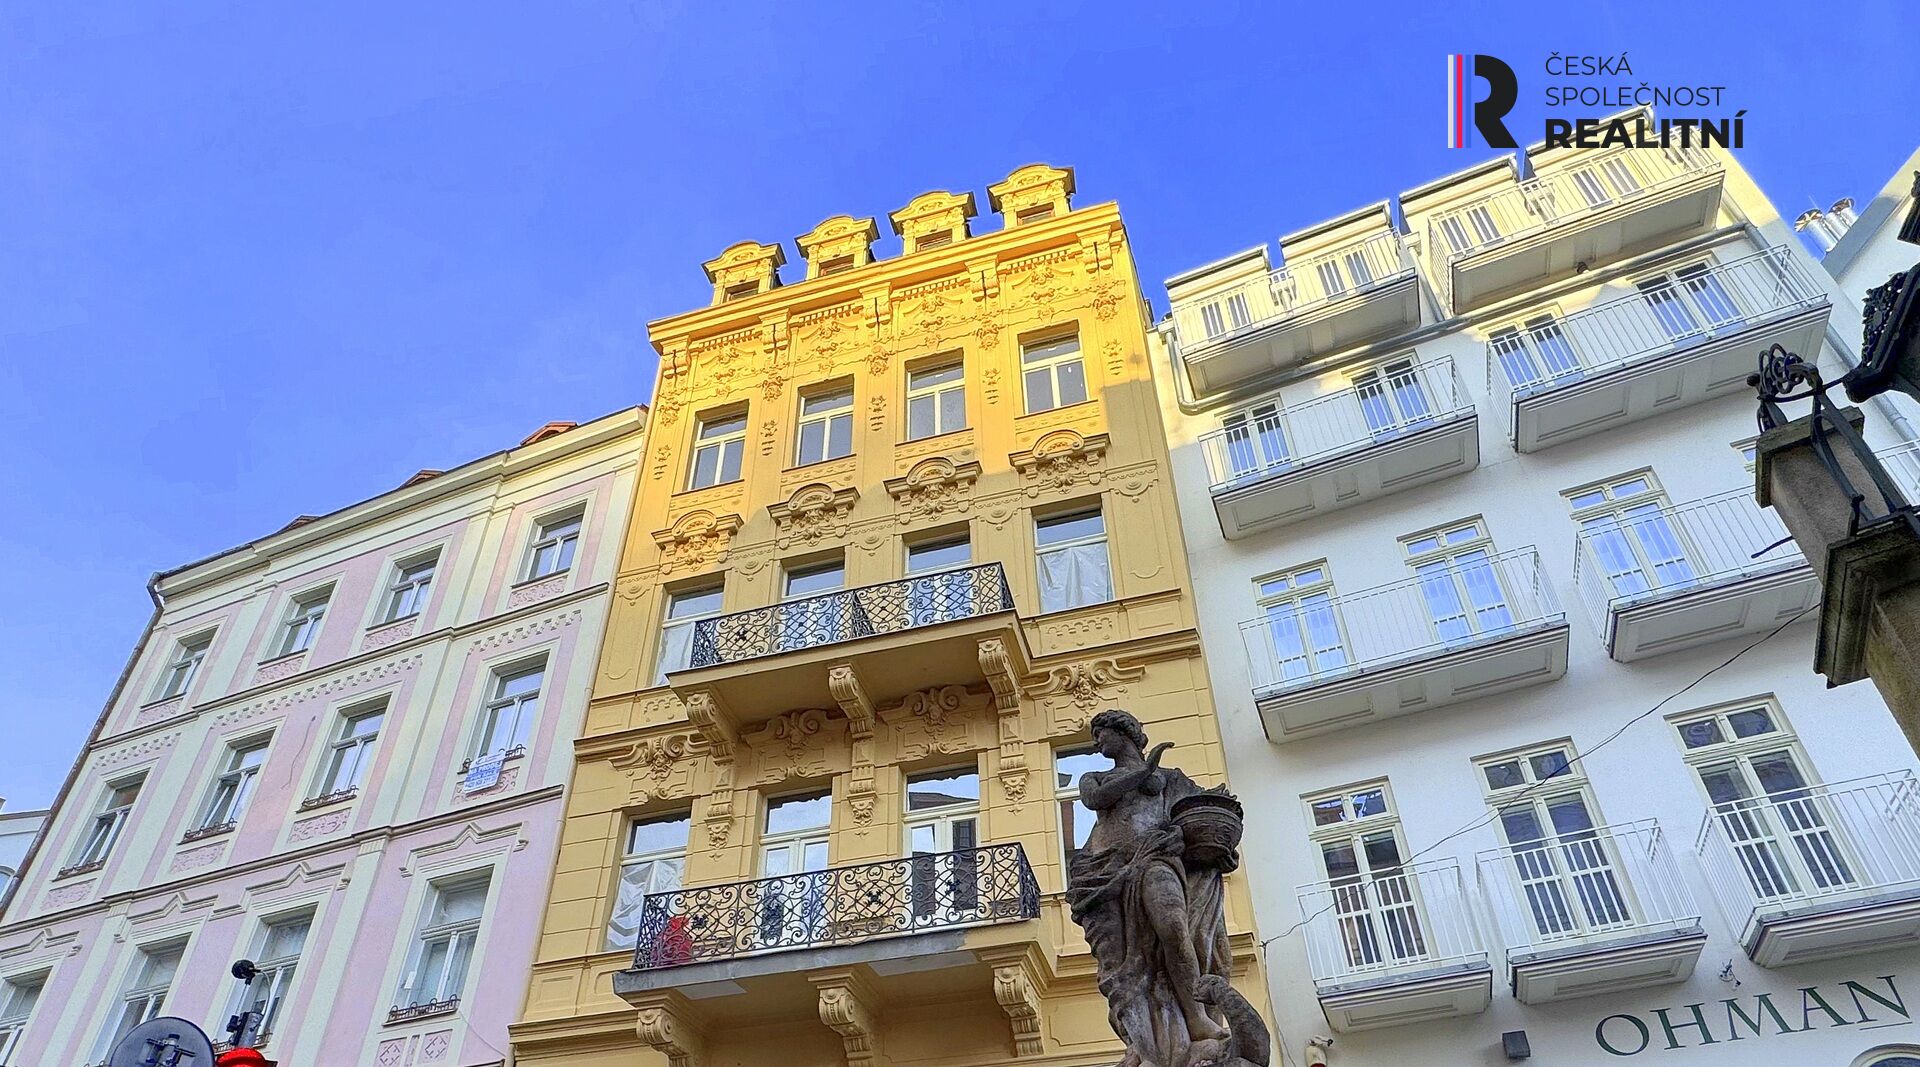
1071, 553
654, 861
107, 823
350, 752
1076, 819
815, 619
826, 426
1036, 213
239, 774
836, 265
941, 590
742, 290
145, 992
684, 609
936, 400
443, 947
1460, 583
1628, 535
1303, 628
1255, 440
719, 443
936, 239
303, 622
17, 998
943, 834
407, 592
1053, 374
511, 709
276, 957
554, 541
187, 657
939, 554
1563, 867
1372, 895
1392, 399
1535, 353
1690, 304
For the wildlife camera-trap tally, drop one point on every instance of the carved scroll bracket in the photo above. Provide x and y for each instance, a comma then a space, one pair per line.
853, 701
850, 1006
716, 727
668, 1024
1004, 666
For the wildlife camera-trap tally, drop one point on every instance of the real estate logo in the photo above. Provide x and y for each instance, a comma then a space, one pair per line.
1488, 115
1579, 83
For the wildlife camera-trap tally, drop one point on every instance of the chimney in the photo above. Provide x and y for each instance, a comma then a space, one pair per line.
1811, 221
1840, 217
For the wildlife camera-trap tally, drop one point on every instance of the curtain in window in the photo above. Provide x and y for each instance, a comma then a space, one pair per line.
1074, 576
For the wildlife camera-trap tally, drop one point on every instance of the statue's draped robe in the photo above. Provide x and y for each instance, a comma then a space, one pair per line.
1105, 891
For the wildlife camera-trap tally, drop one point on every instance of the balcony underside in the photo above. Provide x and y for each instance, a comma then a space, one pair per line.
1426, 680
1701, 370
1831, 929
1672, 620
1400, 1000
1598, 968
1289, 494
1368, 315
1589, 239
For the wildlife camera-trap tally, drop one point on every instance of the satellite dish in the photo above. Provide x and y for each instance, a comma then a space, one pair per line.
163, 1042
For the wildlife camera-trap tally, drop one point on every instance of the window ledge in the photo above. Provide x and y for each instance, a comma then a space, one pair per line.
811, 464
208, 831
1092, 401
917, 441
395, 621
158, 701
536, 580
408, 1012
79, 869
690, 490
282, 657
327, 800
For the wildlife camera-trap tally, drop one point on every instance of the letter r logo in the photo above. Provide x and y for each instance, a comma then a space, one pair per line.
1503, 91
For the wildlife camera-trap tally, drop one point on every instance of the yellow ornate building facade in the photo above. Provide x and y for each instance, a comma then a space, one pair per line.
904, 527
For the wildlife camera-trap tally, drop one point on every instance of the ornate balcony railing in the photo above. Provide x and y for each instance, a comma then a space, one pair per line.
837, 906
1837, 844
1203, 323
1397, 920
1585, 887
850, 614
1266, 441
1472, 599
1656, 551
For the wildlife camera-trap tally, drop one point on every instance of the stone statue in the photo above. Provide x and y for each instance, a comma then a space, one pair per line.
1147, 890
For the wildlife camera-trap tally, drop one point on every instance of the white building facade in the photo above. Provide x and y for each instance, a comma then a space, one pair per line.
1867, 250
1471, 517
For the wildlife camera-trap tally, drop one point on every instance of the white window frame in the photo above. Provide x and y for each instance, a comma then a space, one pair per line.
407, 592
672, 626
934, 396
825, 421
1455, 546
525, 707
1041, 551
103, 832
234, 786
138, 1002
352, 748
728, 447
274, 975
657, 870
306, 613
1054, 355
190, 653
1296, 588
558, 532
1637, 509
461, 937
19, 995
1066, 794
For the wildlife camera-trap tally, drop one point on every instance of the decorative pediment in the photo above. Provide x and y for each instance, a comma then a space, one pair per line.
815, 512
697, 539
1075, 691
1034, 193
743, 270
838, 244
932, 488
944, 720
1061, 460
936, 218
657, 767
792, 745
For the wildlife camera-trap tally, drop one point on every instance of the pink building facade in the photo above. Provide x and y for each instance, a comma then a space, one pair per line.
338, 752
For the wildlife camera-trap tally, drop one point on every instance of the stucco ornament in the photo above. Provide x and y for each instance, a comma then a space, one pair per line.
1147, 889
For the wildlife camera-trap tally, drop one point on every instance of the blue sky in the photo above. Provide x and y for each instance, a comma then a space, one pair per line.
263, 262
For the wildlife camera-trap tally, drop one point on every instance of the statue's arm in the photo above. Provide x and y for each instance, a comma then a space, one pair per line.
1101, 790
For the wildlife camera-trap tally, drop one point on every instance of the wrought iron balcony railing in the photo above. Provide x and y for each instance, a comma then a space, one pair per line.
1266, 441
1202, 324
850, 614
837, 906
1654, 551
1396, 920
1585, 887
1471, 599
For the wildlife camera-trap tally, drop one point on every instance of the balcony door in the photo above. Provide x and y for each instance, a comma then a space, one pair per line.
1225, 315
1535, 354
943, 838
1460, 583
1393, 399
1374, 900
1565, 869
1629, 531
1255, 441
793, 856
939, 585
1302, 624
811, 618
1690, 304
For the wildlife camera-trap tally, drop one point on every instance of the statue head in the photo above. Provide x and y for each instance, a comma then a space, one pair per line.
1114, 727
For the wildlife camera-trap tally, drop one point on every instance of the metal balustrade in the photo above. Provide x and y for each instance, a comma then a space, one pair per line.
1654, 551
1398, 920
1714, 301
1834, 845
837, 906
1471, 599
1265, 441
1586, 887
1204, 323
850, 614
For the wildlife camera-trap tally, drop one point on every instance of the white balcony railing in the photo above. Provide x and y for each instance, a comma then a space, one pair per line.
1267, 441
1655, 551
1396, 921
1205, 323
1471, 599
1585, 888
1704, 303
1816, 846
1558, 198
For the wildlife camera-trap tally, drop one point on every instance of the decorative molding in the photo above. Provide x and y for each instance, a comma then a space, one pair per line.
933, 214
650, 764
1033, 185
284, 667
839, 237
534, 592
849, 1006
788, 746
155, 712
862, 792
373, 672
1075, 691
815, 512
144, 747
320, 826
997, 661
391, 633
933, 487
931, 722
1019, 997
715, 727
509, 777
194, 859
528, 630
696, 540
672, 1029
61, 896
1061, 460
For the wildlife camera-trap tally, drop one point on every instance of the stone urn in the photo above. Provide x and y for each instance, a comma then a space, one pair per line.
1212, 823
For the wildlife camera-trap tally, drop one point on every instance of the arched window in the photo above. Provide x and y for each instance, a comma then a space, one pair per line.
1890, 1056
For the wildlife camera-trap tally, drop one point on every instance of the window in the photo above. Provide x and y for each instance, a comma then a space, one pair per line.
1749, 450
742, 290
1459, 581
146, 990
936, 400
1392, 398
1689, 304
719, 442
1052, 374
793, 840
17, 997
443, 947
407, 593
826, 426
276, 957
1255, 440
683, 610
554, 541
943, 833
939, 554
836, 265
1373, 896
815, 619
1562, 866
1535, 353
1076, 819
655, 860
1036, 213
234, 788
940, 588
1627, 534
107, 824
303, 622
187, 657
351, 751
936, 239
511, 709
1302, 624
1072, 557
1224, 315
